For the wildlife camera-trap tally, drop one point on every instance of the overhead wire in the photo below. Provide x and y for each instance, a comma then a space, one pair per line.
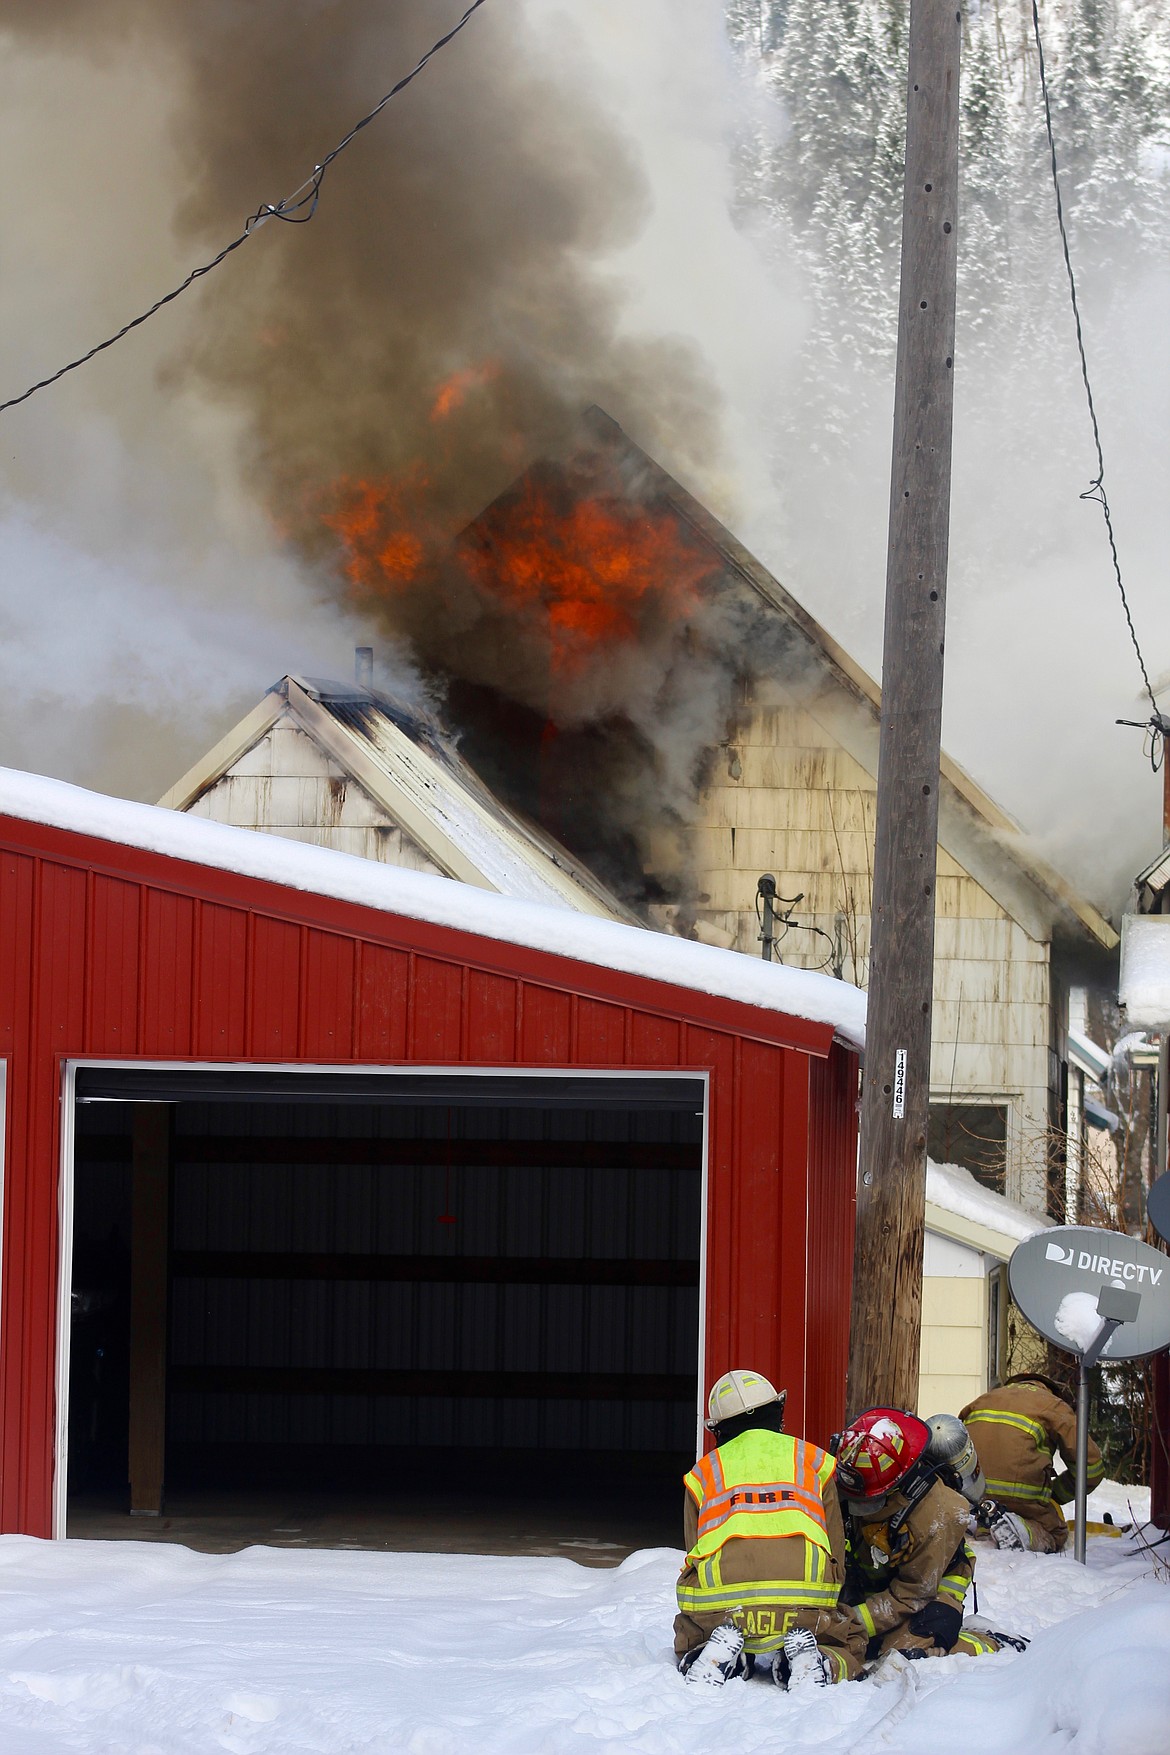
292, 210
1158, 725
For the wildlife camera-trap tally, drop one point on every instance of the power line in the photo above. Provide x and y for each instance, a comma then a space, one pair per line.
1096, 489
296, 209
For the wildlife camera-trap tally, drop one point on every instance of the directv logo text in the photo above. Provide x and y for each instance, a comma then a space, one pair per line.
1102, 1264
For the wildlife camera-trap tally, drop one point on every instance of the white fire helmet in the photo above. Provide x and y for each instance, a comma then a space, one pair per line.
951, 1447
739, 1392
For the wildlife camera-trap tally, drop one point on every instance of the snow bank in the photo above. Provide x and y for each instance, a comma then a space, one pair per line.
800, 993
144, 1647
956, 1191
1123, 1502
1099, 1683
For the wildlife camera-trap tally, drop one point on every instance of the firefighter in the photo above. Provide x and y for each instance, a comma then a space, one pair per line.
765, 1549
909, 1563
1016, 1430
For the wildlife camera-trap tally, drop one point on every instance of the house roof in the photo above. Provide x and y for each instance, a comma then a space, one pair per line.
972, 827
960, 1208
400, 757
557, 930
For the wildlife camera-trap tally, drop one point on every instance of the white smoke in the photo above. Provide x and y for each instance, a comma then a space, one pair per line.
1039, 659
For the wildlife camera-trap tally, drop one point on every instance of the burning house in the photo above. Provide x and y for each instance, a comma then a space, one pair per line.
622, 670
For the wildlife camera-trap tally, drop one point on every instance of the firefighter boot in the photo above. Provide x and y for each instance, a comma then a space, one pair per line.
1009, 1531
721, 1659
979, 1636
801, 1664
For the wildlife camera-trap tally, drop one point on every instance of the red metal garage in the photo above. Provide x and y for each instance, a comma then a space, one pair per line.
147, 960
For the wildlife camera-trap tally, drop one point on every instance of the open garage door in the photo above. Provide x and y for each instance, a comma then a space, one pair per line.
453, 1310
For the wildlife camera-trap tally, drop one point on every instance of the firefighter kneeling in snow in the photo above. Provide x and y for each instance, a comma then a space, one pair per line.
909, 1486
1016, 1429
765, 1549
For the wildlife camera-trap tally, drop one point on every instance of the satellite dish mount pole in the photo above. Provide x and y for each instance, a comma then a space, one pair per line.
1115, 1305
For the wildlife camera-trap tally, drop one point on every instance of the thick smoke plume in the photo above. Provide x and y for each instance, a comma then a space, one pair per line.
439, 326
442, 314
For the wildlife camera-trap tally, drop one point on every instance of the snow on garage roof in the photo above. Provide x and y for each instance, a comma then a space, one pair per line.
798, 993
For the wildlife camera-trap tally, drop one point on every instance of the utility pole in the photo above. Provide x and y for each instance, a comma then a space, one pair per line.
891, 1196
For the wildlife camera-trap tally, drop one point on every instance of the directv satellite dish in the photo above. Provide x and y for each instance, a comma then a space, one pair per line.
1058, 1276
1158, 1207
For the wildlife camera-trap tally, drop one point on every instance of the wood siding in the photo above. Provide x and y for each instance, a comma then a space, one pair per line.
287, 785
783, 797
954, 1343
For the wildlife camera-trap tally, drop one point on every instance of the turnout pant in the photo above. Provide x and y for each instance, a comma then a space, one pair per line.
799, 1591
862, 1652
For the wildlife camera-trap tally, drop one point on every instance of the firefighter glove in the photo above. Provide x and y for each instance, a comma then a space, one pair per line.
940, 1622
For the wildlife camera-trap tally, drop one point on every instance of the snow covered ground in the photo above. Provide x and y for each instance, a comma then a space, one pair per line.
133, 1648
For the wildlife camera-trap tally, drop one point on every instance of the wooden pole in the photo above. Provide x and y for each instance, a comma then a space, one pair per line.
149, 1234
891, 1199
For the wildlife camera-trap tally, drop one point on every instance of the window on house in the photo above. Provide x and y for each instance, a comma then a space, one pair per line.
997, 1325
972, 1134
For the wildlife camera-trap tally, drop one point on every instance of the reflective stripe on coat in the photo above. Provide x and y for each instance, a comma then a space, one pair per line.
760, 1485
1017, 1431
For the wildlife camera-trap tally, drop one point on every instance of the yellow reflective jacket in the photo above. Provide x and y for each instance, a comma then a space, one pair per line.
761, 1484
763, 1533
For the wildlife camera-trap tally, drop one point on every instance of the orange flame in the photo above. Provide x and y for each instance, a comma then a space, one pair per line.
381, 548
453, 391
596, 567
587, 572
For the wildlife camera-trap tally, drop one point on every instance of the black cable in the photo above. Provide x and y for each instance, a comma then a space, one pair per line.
789, 924
1096, 490
307, 195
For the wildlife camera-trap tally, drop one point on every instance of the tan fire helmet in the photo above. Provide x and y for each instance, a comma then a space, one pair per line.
740, 1392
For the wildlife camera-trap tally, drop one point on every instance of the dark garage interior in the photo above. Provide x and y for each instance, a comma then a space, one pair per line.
417, 1311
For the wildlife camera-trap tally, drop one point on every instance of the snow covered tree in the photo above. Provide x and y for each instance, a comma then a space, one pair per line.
829, 174
756, 25
985, 158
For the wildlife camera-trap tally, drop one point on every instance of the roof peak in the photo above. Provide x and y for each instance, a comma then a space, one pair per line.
1001, 837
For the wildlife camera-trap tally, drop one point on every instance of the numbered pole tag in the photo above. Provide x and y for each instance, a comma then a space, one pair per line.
899, 1084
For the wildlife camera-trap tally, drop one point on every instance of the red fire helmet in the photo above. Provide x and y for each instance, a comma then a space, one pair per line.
878, 1450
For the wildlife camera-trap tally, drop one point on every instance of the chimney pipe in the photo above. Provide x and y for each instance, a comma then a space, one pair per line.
363, 666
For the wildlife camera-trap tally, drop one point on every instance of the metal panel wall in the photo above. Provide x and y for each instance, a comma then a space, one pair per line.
503, 1210
832, 1183
104, 945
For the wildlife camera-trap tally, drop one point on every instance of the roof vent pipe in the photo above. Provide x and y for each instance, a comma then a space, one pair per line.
363, 666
